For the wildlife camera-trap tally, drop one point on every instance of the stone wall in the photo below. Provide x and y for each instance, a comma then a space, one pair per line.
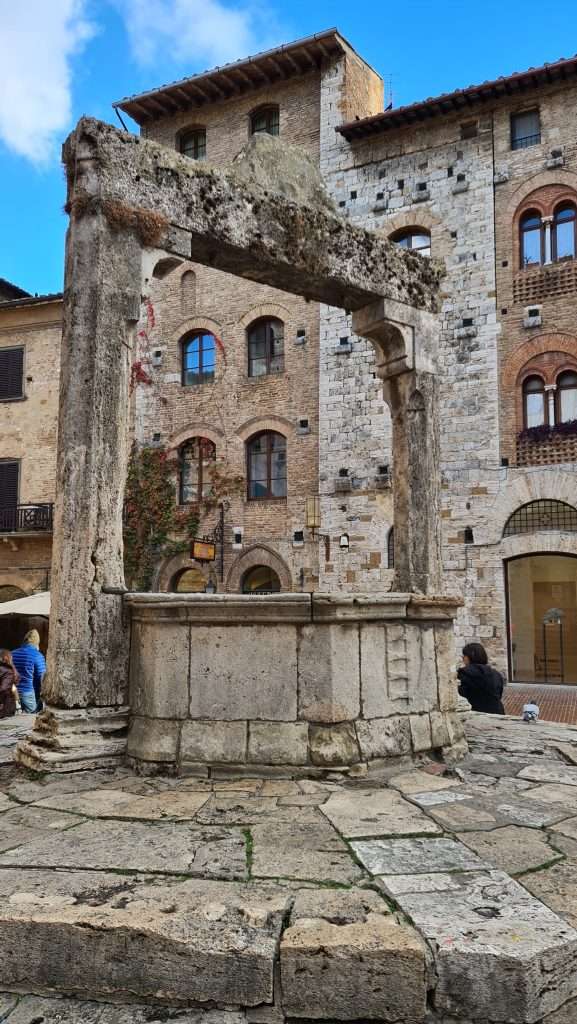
305, 683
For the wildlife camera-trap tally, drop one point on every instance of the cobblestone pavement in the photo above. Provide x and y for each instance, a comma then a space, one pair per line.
556, 703
423, 896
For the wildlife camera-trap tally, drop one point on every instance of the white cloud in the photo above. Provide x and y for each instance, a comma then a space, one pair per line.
39, 38
202, 32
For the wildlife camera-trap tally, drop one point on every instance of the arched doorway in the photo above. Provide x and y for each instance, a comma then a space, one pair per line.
10, 593
188, 581
261, 579
541, 591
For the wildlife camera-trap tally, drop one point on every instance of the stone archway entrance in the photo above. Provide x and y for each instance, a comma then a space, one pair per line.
261, 579
541, 592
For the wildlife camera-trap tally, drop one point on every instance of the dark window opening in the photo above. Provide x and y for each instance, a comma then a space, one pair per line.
525, 129
391, 548
401, 184
193, 144
417, 239
265, 347
265, 120
545, 514
198, 358
469, 130
9, 483
11, 373
267, 466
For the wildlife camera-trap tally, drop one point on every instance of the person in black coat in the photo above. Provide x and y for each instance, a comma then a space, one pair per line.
479, 683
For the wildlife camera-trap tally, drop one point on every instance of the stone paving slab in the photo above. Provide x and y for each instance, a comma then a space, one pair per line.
566, 776
358, 813
178, 849
307, 851
112, 803
557, 888
163, 939
477, 918
392, 856
513, 849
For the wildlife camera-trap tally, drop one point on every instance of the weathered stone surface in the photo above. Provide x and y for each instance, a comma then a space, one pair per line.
158, 685
232, 676
512, 849
226, 809
58, 1010
384, 737
480, 922
376, 813
554, 794
223, 742
420, 732
440, 736
338, 906
278, 742
192, 940
153, 739
329, 679
394, 856
567, 1014
566, 828
557, 888
177, 849
308, 850
440, 797
333, 745
417, 781
548, 772
369, 968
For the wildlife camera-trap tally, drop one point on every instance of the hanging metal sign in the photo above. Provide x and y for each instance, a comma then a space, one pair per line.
203, 551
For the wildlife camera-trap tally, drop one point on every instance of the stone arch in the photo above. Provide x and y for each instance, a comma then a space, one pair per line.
543, 179
418, 218
14, 579
258, 554
543, 343
261, 423
532, 485
168, 568
9, 592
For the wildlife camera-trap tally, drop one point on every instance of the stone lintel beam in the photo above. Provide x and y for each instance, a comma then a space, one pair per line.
405, 341
215, 218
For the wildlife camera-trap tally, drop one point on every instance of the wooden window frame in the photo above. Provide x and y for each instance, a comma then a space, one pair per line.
20, 349
269, 496
196, 134
563, 206
210, 455
559, 388
542, 391
18, 464
202, 373
272, 112
267, 323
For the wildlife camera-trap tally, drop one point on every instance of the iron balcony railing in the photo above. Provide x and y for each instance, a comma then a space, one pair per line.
26, 518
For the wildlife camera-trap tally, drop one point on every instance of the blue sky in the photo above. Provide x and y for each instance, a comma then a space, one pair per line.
64, 58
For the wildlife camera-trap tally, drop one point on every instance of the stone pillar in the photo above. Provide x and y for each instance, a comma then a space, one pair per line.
404, 339
85, 720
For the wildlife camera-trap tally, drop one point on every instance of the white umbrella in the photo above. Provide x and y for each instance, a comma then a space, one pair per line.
36, 604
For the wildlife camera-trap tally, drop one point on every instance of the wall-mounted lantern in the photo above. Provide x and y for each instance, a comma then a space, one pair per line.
344, 542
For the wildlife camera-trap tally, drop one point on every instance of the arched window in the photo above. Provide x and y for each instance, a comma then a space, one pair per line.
531, 238
545, 514
391, 548
265, 347
534, 411
417, 239
564, 232
266, 457
260, 580
193, 143
265, 119
567, 397
198, 358
196, 459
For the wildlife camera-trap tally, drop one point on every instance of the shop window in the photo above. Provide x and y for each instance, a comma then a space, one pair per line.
265, 119
193, 143
525, 129
566, 397
417, 239
542, 618
267, 467
545, 514
198, 358
564, 232
534, 409
11, 374
260, 580
197, 457
265, 347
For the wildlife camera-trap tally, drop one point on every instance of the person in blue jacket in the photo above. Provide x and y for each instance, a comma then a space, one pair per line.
29, 663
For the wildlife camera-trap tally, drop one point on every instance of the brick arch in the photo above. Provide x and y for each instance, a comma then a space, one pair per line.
562, 178
258, 554
513, 367
196, 323
264, 309
261, 423
520, 489
197, 428
168, 568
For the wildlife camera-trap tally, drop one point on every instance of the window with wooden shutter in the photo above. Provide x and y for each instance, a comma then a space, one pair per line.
9, 473
11, 373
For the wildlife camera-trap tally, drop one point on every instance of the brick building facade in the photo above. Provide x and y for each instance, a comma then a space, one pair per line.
280, 395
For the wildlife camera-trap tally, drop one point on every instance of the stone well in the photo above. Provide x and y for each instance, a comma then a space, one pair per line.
307, 682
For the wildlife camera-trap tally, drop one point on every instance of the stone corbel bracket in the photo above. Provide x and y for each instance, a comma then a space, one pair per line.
404, 337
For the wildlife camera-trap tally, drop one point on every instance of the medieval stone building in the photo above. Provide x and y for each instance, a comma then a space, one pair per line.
270, 406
